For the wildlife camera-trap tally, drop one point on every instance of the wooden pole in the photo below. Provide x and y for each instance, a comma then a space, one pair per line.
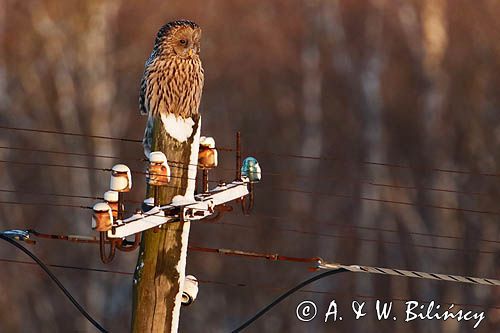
160, 271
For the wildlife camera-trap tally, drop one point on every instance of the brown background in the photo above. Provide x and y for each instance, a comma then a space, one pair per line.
407, 82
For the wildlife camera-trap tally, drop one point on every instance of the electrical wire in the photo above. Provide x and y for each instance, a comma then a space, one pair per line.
321, 264
255, 215
179, 165
49, 204
276, 189
43, 204
56, 281
72, 153
285, 295
238, 284
52, 194
359, 227
381, 241
405, 203
69, 134
87, 239
410, 274
274, 154
94, 168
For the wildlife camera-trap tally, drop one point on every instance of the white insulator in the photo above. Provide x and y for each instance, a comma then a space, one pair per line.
251, 170
111, 196
207, 158
121, 178
190, 291
159, 170
207, 141
102, 218
207, 155
157, 157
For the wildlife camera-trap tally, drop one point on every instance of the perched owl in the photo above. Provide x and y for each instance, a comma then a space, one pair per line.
172, 82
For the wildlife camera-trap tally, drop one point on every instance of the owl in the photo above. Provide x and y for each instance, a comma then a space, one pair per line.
172, 82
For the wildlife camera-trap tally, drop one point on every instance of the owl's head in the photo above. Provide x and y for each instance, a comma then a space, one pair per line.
179, 39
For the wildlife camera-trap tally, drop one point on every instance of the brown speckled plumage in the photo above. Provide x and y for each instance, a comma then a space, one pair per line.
172, 82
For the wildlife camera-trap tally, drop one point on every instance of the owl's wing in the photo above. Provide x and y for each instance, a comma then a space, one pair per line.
142, 95
148, 136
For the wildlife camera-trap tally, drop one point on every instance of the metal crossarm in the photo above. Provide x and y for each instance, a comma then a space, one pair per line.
203, 206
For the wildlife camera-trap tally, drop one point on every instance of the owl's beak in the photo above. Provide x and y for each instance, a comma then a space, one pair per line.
191, 52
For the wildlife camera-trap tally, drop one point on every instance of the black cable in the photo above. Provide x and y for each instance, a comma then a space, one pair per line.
285, 295
54, 278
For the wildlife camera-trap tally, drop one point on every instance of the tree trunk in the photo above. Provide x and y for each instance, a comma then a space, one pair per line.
160, 271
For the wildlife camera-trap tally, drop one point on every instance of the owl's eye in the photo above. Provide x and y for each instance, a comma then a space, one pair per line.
183, 41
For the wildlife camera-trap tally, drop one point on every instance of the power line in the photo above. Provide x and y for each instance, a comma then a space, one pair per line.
254, 215
69, 134
274, 154
55, 165
50, 194
405, 203
98, 270
285, 295
56, 281
410, 274
72, 153
265, 173
321, 292
50, 204
338, 195
351, 226
381, 241
321, 264
353, 268
384, 164
232, 284
92, 168
43, 204
85, 239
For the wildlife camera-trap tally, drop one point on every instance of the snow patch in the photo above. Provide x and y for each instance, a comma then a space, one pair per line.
182, 200
181, 268
177, 127
207, 141
193, 162
149, 201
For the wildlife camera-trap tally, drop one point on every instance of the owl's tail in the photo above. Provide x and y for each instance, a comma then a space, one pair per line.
148, 136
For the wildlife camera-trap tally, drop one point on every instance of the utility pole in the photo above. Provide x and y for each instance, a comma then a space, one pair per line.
160, 271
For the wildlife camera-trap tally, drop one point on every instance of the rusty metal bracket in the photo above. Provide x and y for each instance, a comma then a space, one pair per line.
106, 258
247, 202
219, 212
126, 246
